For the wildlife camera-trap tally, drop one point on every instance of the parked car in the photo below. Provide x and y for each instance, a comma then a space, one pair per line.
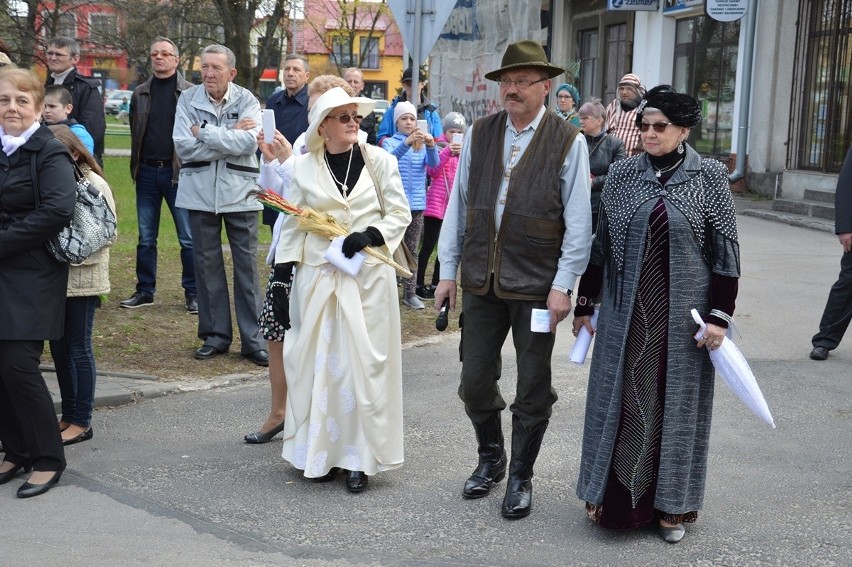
379, 109
114, 100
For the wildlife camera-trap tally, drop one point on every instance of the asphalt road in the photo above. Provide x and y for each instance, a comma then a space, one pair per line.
169, 481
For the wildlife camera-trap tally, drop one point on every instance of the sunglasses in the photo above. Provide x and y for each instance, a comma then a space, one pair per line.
659, 127
345, 118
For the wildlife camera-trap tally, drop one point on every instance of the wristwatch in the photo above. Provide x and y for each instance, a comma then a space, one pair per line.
561, 289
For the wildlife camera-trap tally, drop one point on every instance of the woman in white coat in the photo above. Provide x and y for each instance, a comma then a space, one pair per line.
343, 353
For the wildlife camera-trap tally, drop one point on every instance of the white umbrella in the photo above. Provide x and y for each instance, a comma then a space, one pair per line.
734, 369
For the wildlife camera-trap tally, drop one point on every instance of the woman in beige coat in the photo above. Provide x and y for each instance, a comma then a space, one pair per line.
342, 355
73, 354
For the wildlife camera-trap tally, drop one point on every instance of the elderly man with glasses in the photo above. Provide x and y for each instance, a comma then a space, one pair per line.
62, 56
517, 227
154, 167
215, 136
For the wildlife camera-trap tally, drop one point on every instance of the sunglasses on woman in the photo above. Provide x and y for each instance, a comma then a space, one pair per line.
345, 118
659, 127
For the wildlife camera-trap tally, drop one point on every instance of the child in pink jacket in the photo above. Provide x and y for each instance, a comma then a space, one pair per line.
437, 198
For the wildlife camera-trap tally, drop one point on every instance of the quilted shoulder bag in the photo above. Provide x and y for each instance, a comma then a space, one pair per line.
92, 227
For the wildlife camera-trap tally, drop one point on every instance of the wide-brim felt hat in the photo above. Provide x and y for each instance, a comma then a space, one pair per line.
522, 55
330, 100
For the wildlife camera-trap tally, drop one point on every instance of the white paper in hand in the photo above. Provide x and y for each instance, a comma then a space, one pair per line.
268, 125
583, 342
334, 254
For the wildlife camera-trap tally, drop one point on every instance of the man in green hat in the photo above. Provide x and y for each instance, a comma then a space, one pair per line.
517, 227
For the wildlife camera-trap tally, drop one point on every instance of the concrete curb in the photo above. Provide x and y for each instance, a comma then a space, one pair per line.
792, 219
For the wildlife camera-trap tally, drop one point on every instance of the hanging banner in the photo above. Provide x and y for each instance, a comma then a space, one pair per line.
727, 10
633, 5
471, 44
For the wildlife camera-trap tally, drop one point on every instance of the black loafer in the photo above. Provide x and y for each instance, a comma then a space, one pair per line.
259, 357
260, 437
356, 481
83, 436
819, 353
28, 490
206, 352
327, 477
192, 306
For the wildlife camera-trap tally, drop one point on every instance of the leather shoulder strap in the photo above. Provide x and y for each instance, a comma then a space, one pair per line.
369, 163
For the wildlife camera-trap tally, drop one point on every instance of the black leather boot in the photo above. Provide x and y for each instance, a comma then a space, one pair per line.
525, 446
492, 459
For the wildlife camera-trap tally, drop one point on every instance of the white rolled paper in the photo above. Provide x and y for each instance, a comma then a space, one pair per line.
583, 342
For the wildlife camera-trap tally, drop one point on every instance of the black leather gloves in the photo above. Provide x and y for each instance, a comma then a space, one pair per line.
357, 241
281, 276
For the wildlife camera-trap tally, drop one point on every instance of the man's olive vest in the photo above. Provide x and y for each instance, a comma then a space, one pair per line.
525, 252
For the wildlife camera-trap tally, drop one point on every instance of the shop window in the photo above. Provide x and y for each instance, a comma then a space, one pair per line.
821, 109
616, 59
588, 40
705, 66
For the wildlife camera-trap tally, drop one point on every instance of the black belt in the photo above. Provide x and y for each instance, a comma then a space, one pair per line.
157, 162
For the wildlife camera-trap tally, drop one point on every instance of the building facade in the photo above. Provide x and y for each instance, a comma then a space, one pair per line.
97, 27
366, 37
773, 85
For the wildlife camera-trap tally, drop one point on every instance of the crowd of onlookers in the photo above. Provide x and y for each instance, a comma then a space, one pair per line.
520, 205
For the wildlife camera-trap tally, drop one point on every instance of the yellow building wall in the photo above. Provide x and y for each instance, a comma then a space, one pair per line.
389, 71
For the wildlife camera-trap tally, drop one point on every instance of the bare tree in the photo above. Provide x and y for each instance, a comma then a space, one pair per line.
354, 18
238, 19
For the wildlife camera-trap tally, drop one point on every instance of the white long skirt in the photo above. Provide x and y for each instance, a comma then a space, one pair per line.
343, 363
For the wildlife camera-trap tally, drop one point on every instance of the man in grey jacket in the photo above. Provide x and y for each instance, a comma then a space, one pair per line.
216, 125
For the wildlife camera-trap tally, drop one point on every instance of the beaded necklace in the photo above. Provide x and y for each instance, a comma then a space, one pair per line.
344, 188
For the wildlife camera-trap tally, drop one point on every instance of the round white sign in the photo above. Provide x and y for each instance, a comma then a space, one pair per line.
727, 10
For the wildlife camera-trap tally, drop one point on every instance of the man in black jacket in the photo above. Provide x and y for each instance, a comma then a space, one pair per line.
838, 310
154, 167
62, 56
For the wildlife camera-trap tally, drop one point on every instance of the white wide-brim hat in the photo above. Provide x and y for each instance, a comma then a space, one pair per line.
331, 99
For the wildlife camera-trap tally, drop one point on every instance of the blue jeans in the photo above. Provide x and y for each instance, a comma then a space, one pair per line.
153, 184
75, 360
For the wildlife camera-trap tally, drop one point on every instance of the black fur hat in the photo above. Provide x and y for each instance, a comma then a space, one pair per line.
680, 108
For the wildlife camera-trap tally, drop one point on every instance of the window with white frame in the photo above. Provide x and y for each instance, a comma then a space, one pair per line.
369, 52
58, 24
103, 26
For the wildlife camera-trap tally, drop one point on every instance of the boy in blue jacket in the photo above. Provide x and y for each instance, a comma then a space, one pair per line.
57, 110
406, 145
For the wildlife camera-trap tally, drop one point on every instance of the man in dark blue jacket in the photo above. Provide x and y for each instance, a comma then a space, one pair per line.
290, 105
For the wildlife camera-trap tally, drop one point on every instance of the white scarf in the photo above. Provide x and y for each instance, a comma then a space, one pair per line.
12, 143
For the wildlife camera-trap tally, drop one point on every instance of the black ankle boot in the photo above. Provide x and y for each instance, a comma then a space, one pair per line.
525, 446
492, 459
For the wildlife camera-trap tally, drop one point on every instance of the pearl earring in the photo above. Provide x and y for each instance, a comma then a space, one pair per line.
680, 148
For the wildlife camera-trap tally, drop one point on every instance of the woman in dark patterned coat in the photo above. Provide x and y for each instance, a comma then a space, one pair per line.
666, 242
